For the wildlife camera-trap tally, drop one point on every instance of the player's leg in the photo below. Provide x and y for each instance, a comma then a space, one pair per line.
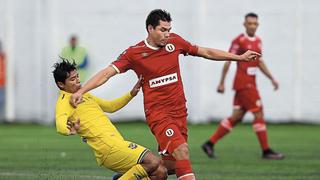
183, 164
225, 126
260, 128
223, 129
152, 164
172, 138
132, 161
149, 169
252, 102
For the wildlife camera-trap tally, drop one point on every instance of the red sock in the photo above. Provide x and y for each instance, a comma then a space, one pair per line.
224, 128
184, 170
260, 128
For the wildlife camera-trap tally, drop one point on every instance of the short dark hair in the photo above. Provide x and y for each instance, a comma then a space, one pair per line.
155, 16
251, 14
62, 70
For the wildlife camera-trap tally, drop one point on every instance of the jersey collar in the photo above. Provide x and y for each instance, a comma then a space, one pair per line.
149, 46
250, 38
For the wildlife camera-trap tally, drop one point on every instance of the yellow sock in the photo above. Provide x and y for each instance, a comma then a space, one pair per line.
137, 172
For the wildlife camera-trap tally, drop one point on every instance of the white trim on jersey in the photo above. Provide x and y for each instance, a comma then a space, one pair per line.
250, 38
115, 68
149, 46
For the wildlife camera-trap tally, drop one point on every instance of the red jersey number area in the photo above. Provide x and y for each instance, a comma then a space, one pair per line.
246, 71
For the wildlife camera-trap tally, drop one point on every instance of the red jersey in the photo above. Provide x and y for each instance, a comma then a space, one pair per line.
2, 70
246, 71
162, 86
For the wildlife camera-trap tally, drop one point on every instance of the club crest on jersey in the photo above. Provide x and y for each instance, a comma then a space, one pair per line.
163, 80
132, 146
170, 47
169, 132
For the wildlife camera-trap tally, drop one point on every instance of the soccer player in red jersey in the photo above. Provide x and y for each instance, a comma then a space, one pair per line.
157, 59
247, 97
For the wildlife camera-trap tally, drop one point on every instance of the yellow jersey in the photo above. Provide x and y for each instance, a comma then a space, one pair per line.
95, 126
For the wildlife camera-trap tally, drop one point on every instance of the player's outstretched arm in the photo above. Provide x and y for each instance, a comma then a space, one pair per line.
97, 80
220, 88
118, 103
219, 55
265, 71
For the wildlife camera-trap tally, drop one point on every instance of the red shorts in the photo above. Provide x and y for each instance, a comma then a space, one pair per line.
170, 129
247, 99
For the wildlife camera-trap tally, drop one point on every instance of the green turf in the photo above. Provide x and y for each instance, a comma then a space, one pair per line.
29, 152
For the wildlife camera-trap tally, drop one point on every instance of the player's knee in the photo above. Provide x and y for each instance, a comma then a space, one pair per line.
151, 163
181, 152
258, 115
170, 166
161, 173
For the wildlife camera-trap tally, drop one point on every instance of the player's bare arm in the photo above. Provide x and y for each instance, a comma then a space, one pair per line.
97, 80
225, 69
264, 69
219, 55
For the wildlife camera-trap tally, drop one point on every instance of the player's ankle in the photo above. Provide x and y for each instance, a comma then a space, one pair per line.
209, 142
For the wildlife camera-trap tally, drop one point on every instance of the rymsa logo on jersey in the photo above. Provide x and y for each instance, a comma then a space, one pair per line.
163, 80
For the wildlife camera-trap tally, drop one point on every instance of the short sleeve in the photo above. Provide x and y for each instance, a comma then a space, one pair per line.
235, 46
122, 64
187, 47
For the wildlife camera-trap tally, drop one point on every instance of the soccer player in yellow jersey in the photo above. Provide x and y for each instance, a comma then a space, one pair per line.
88, 120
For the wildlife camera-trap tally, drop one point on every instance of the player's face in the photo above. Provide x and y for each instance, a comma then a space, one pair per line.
160, 34
72, 83
251, 24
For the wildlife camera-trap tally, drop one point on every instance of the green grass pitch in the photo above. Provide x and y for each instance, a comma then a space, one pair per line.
33, 152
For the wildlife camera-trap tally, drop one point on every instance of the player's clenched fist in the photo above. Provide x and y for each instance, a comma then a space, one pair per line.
75, 99
249, 56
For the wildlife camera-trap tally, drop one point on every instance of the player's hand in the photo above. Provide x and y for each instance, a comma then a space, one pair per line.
275, 84
73, 127
137, 86
249, 56
220, 88
75, 99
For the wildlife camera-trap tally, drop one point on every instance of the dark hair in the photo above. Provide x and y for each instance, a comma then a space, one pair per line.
62, 70
251, 14
155, 16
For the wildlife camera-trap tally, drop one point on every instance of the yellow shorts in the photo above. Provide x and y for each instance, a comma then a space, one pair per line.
124, 155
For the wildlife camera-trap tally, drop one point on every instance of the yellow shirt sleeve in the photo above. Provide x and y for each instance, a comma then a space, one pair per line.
113, 105
63, 111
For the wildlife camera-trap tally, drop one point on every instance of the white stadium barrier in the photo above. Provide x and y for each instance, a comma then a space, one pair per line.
34, 31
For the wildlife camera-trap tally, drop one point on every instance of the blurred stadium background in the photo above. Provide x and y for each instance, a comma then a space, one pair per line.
33, 32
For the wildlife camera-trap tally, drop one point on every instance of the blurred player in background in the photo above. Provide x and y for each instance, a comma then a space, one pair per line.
111, 150
73, 51
247, 97
157, 59
2, 83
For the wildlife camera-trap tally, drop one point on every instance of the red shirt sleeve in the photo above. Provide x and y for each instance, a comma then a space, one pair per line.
235, 46
187, 47
122, 64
